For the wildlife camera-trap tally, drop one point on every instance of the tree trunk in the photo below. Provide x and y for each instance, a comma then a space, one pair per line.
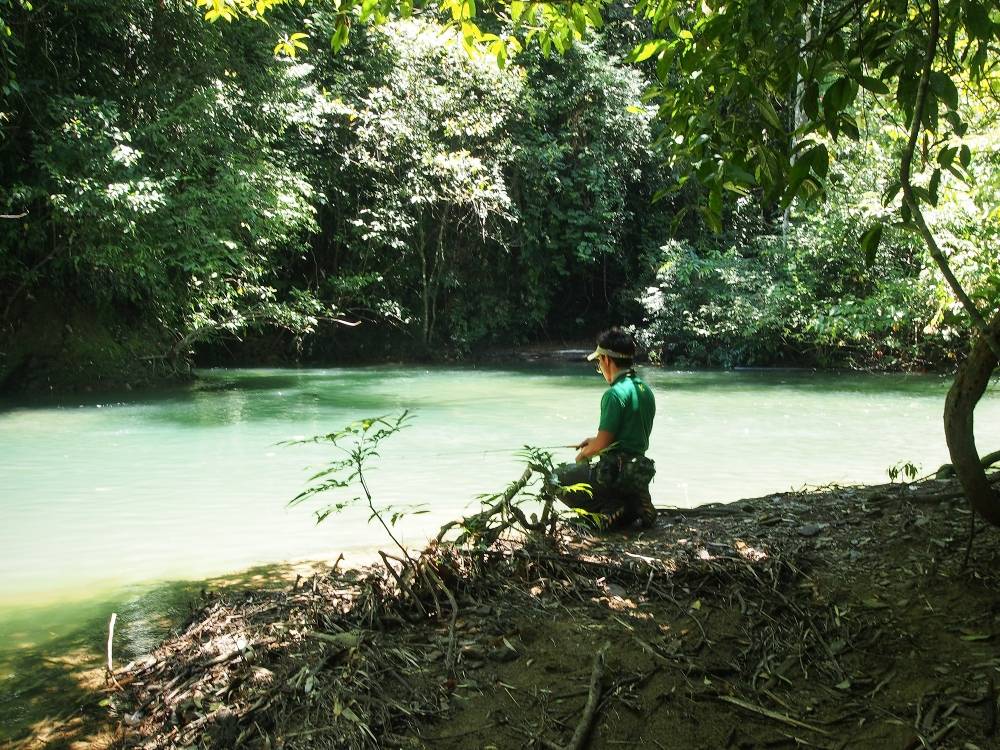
425, 289
971, 380
437, 271
974, 373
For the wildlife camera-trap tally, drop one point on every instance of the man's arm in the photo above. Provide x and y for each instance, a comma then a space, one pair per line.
593, 445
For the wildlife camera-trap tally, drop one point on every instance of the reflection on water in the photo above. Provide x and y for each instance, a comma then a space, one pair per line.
101, 496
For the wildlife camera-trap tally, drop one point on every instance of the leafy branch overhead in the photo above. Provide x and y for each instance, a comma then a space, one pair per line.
749, 91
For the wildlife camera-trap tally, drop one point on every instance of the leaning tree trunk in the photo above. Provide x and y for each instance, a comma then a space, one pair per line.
974, 373
971, 380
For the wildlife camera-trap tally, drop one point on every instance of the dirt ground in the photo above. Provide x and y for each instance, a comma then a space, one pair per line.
837, 618
844, 619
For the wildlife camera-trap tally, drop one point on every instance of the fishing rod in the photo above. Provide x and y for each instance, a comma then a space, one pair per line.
501, 450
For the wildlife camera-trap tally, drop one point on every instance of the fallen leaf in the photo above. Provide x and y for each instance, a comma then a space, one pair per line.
872, 603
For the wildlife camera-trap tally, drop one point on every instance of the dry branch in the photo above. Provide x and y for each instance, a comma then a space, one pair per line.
771, 714
579, 739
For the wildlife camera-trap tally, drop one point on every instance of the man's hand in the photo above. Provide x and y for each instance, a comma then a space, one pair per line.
583, 443
593, 445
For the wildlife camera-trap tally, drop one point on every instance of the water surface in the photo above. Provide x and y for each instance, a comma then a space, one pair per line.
98, 494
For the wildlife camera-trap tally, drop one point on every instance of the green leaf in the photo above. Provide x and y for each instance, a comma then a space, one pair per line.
872, 602
920, 194
891, 70
876, 41
340, 36
738, 174
965, 156
947, 155
770, 115
930, 118
810, 100
870, 241
471, 32
819, 160
958, 125
666, 60
978, 61
977, 19
839, 95
944, 88
645, 50
891, 191
873, 84
796, 177
959, 173
849, 125
933, 186
715, 203
906, 93
349, 714
712, 219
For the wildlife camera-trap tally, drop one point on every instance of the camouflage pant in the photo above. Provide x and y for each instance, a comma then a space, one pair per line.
619, 489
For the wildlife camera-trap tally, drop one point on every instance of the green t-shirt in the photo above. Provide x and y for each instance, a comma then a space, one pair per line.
627, 411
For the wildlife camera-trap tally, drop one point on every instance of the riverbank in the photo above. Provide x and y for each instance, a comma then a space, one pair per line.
99, 361
847, 617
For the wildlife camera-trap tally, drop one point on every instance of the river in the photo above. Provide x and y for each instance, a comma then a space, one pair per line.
106, 499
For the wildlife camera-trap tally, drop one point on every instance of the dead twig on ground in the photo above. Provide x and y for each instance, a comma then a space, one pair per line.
583, 727
746, 706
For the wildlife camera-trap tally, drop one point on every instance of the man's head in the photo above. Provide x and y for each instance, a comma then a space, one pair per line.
615, 351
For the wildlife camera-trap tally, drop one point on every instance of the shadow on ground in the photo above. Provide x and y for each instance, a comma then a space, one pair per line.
53, 684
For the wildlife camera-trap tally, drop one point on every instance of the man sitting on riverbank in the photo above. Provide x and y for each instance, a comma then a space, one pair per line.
619, 480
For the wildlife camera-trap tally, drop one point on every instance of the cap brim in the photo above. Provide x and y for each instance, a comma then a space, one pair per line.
594, 355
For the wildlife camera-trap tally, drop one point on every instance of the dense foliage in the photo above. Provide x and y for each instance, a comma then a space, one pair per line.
173, 183
181, 185
805, 292
146, 150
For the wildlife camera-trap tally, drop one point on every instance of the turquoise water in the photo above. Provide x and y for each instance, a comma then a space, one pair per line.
98, 494
103, 497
